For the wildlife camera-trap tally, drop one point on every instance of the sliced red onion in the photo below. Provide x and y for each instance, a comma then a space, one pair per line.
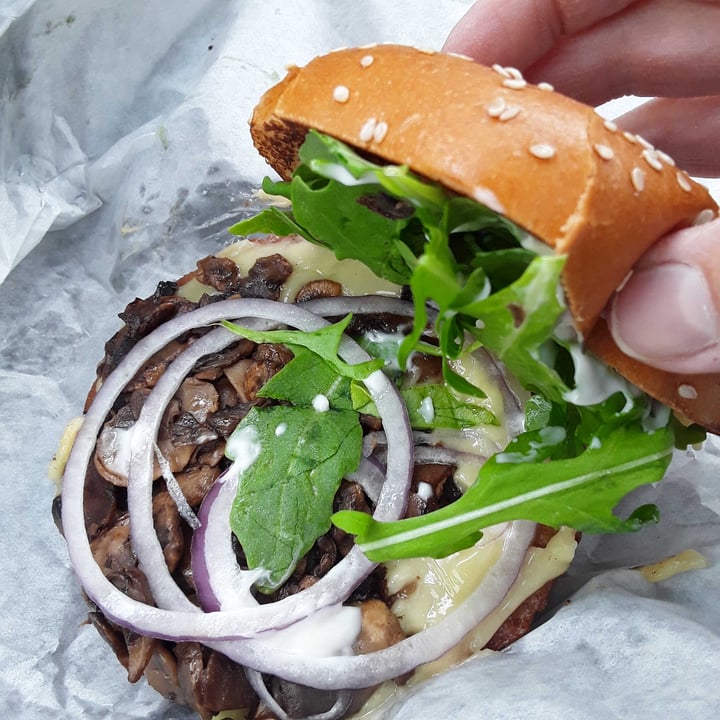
176, 493
438, 455
361, 671
219, 580
177, 618
338, 710
364, 305
369, 476
513, 407
181, 619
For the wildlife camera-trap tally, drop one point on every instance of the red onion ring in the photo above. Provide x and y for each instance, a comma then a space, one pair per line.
257, 682
360, 671
185, 622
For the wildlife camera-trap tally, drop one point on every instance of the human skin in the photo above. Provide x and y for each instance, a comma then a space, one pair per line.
667, 313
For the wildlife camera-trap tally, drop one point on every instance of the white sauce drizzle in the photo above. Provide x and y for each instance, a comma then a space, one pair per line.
320, 403
243, 448
427, 410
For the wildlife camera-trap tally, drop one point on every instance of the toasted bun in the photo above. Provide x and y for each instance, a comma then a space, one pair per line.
549, 163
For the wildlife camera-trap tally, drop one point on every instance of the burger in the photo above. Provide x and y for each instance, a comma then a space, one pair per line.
357, 446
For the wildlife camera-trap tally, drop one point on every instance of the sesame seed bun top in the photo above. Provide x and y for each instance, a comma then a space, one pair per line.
547, 162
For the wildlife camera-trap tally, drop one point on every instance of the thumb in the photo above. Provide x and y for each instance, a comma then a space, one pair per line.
667, 314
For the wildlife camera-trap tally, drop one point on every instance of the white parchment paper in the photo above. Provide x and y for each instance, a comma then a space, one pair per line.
124, 149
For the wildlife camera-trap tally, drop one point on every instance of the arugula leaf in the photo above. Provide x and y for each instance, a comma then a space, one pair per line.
579, 492
430, 406
284, 500
573, 463
305, 377
324, 342
450, 250
516, 321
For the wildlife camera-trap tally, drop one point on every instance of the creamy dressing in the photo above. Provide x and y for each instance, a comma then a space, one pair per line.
243, 448
328, 632
320, 403
427, 410
310, 262
386, 346
594, 381
115, 450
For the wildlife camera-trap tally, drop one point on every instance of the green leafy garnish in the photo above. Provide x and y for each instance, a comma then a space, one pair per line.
285, 499
579, 492
430, 406
574, 462
324, 342
305, 377
411, 231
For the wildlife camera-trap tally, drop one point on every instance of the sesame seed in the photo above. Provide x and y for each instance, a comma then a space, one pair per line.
604, 151
514, 73
368, 130
665, 158
460, 56
496, 107
543, 151
687, 391
637, 176
509, 113
683, 182
380, 132
514, 83
704, 216
546, 86
652, 159
341, 94
645, 143
630, 137
367, 60
500, 70
610, 125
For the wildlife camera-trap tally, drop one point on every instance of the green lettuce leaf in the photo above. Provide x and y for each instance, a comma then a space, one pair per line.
526, 483
430, 406
285, 499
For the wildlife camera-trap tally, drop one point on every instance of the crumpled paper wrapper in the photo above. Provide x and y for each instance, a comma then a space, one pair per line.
124, 148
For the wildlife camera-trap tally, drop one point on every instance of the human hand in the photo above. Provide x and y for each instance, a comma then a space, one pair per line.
668, 313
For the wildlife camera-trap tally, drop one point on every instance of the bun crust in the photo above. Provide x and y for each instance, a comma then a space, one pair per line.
549, 163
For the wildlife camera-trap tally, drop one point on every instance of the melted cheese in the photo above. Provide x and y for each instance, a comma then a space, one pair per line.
60, 458
310, 262
541, 565
673, 565
430, 588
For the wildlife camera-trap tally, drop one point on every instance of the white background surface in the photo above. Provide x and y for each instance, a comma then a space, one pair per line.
124, 148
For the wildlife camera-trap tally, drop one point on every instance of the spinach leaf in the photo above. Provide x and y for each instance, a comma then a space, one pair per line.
285, 498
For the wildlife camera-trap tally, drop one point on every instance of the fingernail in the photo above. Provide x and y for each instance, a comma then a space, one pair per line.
665, 316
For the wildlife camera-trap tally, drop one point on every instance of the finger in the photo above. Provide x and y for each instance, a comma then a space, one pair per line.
687, 129
520, 32
668, 313
659, 48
